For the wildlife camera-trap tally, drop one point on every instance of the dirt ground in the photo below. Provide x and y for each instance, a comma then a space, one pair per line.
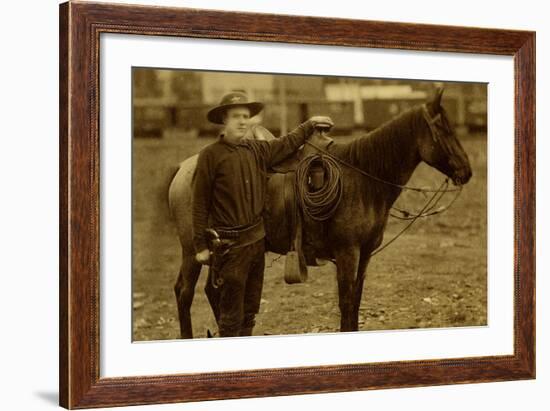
435, 275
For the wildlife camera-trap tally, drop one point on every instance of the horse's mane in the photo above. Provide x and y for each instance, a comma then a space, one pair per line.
378, 151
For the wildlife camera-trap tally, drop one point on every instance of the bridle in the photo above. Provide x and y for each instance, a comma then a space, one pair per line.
431, 122
434, 124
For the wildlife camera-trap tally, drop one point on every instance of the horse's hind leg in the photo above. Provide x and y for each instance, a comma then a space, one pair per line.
185, 291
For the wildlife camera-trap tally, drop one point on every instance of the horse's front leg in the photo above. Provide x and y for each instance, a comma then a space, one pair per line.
358, 287
347, 263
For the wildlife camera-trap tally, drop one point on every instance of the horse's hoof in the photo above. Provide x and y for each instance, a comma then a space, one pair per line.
209, 334
322, 261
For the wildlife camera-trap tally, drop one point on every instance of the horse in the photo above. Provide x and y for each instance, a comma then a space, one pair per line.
378, 166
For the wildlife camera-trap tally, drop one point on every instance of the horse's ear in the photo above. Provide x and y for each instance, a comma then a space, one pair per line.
436, 102
261, 133
258, 132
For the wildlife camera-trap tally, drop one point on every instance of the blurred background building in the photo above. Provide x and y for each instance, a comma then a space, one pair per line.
173, 103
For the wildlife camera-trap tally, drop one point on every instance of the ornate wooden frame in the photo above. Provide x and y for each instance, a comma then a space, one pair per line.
80, 28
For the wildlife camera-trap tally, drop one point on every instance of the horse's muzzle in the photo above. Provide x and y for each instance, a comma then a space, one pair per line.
462, 176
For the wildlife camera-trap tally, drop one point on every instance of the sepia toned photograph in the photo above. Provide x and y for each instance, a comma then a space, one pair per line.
269, 204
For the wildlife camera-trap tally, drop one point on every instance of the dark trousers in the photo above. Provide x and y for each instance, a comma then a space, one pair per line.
237, 301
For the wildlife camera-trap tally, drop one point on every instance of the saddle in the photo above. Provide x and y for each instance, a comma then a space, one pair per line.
288, 230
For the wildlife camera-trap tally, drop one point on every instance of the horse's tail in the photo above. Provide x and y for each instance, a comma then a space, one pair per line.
172, 175
180, 201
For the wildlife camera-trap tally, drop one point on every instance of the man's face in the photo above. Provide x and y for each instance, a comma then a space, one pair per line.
236, 122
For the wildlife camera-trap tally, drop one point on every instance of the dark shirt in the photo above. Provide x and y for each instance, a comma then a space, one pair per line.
230, 180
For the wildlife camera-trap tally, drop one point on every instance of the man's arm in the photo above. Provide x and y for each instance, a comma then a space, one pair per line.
281, 148
202, 184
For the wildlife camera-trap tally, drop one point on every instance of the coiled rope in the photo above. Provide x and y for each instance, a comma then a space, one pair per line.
319, 204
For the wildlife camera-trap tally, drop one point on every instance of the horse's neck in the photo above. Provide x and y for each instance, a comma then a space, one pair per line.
389, 153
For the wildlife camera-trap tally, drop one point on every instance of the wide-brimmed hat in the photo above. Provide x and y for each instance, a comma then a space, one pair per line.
233, 99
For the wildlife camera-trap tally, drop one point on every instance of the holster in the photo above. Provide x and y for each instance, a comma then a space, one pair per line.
222, 240
218, 247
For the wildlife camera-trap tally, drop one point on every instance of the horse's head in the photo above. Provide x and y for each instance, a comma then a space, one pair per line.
439, 146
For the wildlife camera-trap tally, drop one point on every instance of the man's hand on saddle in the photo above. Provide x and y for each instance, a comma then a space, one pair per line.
203, 257
323, 123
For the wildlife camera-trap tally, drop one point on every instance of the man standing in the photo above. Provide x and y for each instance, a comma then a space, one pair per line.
229, 189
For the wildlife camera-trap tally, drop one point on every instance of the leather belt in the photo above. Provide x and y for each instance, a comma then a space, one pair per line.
243, 236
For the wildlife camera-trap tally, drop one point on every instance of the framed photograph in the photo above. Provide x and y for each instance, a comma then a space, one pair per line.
258, 205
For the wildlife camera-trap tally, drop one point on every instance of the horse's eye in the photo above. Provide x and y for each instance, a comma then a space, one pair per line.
441, 125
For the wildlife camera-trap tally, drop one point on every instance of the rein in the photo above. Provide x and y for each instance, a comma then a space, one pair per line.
407, 215
423, 213
380, 180
437, 194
